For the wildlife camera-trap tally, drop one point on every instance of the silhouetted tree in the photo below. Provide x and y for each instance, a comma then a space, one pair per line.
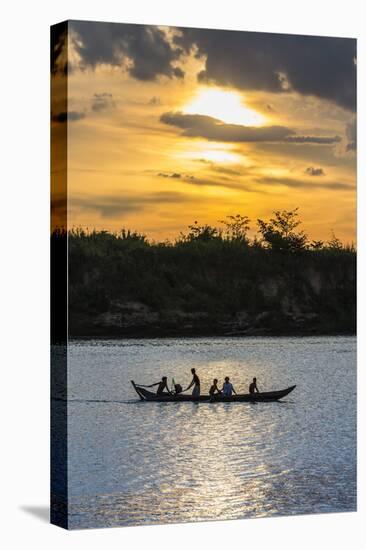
316, 245
236, 228
128, 235
334, 243
218, 272
279, 232
202, 233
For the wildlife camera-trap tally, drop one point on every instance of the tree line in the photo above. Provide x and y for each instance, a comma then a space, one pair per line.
281, 233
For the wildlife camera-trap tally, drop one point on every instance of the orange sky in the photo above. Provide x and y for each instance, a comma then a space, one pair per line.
156, 154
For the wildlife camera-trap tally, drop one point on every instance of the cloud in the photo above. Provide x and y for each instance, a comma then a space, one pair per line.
351, 135
200, 181
254, 183
311, 171
59, 61
103, 102
251, 183
294, 183
225, 183
320, 140
59, 207
70, 116
222, 170
311, 65
213, 129
176, 175
110, 206
143, 50
212, 181
155, 100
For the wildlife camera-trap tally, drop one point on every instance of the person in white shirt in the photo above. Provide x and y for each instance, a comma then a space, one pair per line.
228, 388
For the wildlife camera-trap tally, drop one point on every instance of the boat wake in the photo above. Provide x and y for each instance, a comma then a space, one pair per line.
95, 400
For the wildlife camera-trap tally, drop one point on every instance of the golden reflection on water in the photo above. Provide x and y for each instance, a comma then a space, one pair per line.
137, 463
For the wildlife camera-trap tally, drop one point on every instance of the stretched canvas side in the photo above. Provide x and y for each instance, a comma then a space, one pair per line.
59, 471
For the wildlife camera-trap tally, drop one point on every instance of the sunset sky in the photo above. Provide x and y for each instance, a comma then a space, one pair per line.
167, 126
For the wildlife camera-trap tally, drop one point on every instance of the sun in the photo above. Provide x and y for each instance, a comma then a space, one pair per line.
224, 105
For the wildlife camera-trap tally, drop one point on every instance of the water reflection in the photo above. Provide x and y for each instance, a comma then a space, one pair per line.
134, 462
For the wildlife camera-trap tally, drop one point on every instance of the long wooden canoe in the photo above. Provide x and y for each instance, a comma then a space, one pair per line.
146, 395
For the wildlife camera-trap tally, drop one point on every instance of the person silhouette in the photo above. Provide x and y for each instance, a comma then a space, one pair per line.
195, 383
162, 385
214, 389
253, 386
228, 388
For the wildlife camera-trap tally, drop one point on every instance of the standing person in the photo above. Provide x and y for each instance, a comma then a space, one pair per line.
195, 383
228, 388
214, 389
253, 386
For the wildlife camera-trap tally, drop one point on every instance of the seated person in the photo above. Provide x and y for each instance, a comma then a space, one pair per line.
253, 386
162, 385
214, 389
228, 388
177, 388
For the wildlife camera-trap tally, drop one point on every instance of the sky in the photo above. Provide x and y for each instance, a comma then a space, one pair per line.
167, 126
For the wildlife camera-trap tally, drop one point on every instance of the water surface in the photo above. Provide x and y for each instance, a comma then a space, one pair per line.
143, 463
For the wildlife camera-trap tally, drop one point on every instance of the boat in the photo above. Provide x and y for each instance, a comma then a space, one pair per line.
146, 395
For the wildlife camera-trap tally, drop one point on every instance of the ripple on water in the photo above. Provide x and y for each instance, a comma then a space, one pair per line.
138, 463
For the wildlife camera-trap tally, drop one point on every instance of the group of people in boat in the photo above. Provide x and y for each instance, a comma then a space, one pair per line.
227, 389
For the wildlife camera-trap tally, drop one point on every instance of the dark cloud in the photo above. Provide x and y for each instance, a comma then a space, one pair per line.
154, 101
311, 65
145, 47
109, 206
70, 116
59, 49
213, 129
174, 175
311, 171
178, 72
321, 140
103, 102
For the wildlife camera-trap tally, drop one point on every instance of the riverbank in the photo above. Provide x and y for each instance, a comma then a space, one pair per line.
135, 320
132, 288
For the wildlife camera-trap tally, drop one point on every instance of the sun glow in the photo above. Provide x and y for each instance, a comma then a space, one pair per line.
225, 106
211, 152
218, 155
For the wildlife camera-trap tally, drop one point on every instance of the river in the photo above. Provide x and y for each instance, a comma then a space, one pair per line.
132, 462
